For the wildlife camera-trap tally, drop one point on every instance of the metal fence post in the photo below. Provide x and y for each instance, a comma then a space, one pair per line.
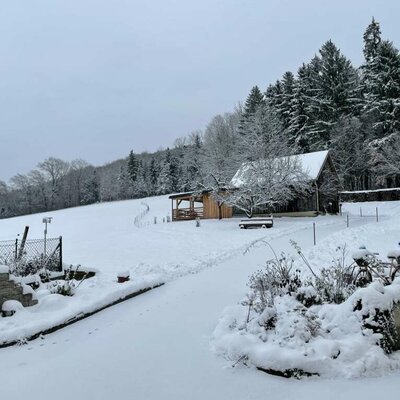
16, 249
347, 220
61, 253
315, 238
377, 214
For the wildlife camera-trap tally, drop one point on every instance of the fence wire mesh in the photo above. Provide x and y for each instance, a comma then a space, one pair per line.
32, 256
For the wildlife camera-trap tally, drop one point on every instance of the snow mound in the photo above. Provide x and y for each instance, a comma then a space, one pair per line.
12, 306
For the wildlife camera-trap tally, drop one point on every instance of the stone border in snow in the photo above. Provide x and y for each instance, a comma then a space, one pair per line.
55, 311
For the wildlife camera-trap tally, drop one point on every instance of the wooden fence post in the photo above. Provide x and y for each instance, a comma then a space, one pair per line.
21, 248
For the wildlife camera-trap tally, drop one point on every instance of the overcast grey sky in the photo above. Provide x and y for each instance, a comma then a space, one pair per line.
93, 79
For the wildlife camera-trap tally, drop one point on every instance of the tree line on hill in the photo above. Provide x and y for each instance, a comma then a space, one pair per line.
327, 104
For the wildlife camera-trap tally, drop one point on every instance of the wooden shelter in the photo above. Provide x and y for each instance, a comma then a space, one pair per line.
190, 205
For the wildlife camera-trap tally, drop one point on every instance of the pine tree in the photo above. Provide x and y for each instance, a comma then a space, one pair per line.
91, 189
168, 177
192, 163
301, 117
254, 100
286, 108
324, 92
133, 166
372, 40
153, 173
381, 88
124, 184
274, 95
280, 97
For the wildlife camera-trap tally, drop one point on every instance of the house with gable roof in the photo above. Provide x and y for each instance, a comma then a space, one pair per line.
318, 168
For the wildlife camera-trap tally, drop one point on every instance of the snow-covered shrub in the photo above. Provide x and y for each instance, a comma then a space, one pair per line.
24, 268
351, 339
276, 279
34, 265
333, 284
65, 288
317, 325
68, 285
376, 308
308, 296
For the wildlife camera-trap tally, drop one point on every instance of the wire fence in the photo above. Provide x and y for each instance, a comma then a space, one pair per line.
31, 256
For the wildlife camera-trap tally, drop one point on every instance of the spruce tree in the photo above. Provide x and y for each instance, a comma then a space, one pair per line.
372, 40
191, 174
153, 172
254, 100
286, 107
381, 88
328, 85
124, 184
274, 95
301, 117
168, 177
133, 166
91, 189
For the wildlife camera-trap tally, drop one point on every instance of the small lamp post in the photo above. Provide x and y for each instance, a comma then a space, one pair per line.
46, 220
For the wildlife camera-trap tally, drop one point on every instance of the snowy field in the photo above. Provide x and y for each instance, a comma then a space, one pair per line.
158, 345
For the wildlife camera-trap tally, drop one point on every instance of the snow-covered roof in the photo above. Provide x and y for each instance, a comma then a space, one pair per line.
311, 164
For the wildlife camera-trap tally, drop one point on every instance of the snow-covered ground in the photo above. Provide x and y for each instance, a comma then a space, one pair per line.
111, 237
158, 345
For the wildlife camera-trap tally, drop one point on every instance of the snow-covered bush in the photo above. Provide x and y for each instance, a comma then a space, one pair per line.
276, 279
330, 340
318, 325
24, 268
34, 265
333, 284
65, 288
68, 285
376, 308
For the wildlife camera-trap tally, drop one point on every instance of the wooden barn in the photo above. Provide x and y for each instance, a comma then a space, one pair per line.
190, 205
323, 196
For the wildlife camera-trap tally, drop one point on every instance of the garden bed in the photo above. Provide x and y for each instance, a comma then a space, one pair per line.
294, 324
55, 311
